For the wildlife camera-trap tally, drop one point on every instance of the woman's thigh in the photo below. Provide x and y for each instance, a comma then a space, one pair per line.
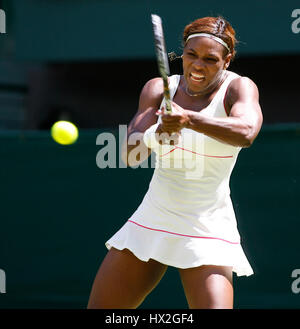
123, 281
208, 286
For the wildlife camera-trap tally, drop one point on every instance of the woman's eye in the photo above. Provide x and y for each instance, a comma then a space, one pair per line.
211, 59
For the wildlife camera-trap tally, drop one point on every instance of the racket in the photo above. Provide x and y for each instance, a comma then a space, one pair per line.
162, 58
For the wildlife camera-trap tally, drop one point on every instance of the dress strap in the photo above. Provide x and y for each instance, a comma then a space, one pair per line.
173, 84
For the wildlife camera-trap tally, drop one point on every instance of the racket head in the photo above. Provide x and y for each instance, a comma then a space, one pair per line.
160, 46
161, 55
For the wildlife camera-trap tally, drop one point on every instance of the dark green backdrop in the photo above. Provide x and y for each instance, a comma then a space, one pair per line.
116, 29
58, 208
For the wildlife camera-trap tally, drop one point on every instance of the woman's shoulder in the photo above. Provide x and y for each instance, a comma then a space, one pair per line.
153, 86
152, 93
240, 87
157, 82
239, 81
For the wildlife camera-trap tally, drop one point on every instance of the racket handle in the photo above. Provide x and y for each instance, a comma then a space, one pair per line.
168, 105
167, 96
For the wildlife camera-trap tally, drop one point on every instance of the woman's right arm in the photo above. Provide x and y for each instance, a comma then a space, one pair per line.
149, 102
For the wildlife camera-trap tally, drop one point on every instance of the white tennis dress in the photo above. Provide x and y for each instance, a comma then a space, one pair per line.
186, 218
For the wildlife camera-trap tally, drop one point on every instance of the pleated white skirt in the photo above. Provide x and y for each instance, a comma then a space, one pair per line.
179, 251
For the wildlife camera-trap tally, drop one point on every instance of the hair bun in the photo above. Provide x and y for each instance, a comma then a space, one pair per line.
172, 56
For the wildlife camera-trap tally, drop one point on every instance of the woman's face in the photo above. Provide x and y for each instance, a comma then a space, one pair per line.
203, 63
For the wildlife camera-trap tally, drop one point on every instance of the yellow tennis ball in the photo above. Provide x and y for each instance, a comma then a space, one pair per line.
64, 132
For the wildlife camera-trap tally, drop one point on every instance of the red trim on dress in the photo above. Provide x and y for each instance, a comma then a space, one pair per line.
189, 236
205, 155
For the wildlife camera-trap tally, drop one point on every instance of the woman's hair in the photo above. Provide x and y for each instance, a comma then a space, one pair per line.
217, 26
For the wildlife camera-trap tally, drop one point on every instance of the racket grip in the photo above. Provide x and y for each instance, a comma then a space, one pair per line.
168, 106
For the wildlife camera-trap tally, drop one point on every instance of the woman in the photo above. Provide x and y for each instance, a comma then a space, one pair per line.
186, 218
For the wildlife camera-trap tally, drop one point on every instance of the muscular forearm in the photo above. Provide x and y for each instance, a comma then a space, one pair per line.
230, 130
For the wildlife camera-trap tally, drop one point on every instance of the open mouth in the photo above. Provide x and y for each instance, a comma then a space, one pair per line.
197, 77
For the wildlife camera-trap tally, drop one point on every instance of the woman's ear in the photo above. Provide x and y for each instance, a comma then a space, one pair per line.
227, 61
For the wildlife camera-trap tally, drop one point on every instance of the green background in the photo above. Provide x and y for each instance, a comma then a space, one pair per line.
58, 208
44, 30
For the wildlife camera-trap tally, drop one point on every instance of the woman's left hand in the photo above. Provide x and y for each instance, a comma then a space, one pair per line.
174, 121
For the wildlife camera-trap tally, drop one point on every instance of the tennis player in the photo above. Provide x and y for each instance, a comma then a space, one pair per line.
186, 219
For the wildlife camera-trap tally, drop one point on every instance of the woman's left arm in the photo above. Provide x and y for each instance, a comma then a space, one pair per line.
242, 125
